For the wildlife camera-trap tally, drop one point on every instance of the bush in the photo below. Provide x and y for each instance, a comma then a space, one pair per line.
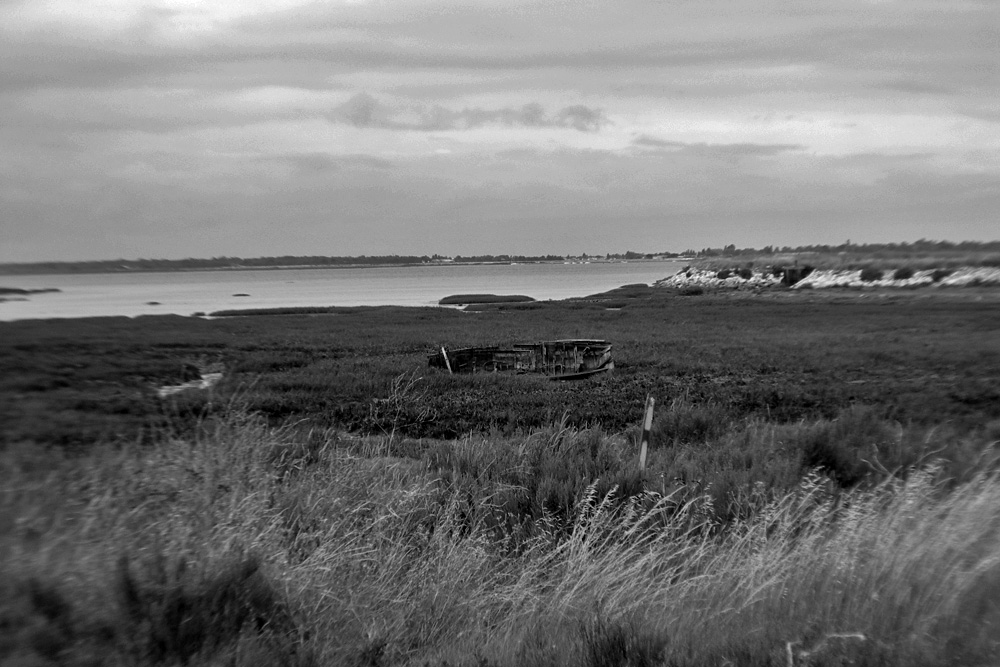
745, 273
840, 447
902, 273
939, 274
172, 611
871, 274
723, 274
35, 620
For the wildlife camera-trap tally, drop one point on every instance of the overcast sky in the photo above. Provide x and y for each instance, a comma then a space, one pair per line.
190, 128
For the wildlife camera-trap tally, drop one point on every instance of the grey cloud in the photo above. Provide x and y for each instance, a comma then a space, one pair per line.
58, 63
365, 161
989, 114
582, 118
360, 111
917, 87
533, 115
364, 110
321, 163
578, 117
646, 140
420, 204
896, 38
742, 149
310, 162
916, 51
717, 150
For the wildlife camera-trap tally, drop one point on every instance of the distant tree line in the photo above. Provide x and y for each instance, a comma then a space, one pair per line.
284, 261
923, 246
631, 254
128, 265
508, 258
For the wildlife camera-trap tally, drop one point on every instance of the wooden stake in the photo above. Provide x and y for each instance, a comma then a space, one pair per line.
444, 353
647, 424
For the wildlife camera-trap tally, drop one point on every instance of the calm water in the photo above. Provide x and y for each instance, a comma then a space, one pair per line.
184, 293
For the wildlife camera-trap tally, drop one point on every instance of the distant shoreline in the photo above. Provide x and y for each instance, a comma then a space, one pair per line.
8, 270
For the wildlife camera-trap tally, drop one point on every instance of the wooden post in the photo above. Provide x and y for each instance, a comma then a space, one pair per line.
444, 353
647, 424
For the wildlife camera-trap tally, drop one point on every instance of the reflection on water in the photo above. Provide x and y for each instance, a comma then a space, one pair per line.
188, 292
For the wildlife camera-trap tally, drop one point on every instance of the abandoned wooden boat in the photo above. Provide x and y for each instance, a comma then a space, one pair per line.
572, 359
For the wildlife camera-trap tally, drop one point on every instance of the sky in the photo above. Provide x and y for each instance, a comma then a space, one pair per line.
189, 128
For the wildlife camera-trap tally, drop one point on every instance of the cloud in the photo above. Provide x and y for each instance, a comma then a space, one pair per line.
717, 150
645, 140
518, 201
322, 163
365, 111
360, 111
188, 126
582, 118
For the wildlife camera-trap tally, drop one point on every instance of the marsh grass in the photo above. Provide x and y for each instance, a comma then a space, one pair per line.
783, 360
255, 545
815, 471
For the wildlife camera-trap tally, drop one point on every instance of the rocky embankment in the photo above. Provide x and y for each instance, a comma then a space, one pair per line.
808, 278
961, 277
748, 279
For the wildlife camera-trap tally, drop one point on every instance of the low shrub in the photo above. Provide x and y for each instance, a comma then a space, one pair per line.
902, 273
842, 447
745, 273
171, 610
37, 624
871, 274
723, 274
939, 274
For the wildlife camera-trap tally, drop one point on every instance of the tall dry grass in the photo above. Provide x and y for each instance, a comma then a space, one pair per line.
253, 545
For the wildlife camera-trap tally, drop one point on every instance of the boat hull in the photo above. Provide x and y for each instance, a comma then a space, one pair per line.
572, 359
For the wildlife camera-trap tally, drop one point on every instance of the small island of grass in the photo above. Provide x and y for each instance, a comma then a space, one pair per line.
469, 299
18, 294
19, 291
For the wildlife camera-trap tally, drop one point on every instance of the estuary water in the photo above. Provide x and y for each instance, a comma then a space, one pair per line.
188, 292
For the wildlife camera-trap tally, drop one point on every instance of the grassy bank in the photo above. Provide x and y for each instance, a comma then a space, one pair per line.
886, 258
